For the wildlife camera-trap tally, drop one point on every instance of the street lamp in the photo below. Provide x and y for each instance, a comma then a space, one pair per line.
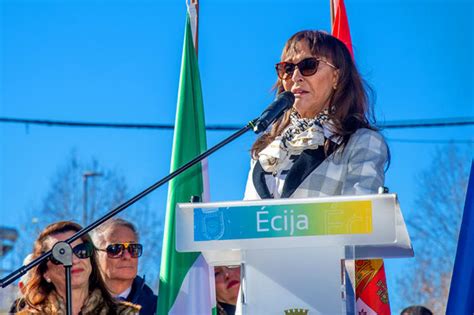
8, 237
85, 177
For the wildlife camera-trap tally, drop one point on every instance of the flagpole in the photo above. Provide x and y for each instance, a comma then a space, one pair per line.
332, 12
193, 8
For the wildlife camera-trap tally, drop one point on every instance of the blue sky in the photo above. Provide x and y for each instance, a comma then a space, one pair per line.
118, 61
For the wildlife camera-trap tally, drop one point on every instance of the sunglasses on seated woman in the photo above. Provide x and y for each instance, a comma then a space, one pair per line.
82, 251
118, 250
307, 67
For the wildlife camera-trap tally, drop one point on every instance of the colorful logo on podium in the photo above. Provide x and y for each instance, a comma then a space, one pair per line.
250, 222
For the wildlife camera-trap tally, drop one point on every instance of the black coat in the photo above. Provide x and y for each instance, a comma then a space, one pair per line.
143, 295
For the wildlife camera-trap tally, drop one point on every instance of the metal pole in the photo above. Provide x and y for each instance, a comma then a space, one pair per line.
85, 177
84, 199
62, 252
67, 270
333, 13
193, 8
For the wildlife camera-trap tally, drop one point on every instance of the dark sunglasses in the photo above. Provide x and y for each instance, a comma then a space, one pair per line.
307, 67
117, 250
82, 251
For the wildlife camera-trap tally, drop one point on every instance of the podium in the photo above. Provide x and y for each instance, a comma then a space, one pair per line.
294, 252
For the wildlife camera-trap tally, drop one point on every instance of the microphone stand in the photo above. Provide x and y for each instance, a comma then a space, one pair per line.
62, 251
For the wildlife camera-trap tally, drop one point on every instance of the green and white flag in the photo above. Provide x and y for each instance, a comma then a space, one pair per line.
186, 281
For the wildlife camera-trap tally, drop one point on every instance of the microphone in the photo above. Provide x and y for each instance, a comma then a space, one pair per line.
282, 103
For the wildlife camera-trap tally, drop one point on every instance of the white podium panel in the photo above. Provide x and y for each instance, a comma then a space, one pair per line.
306, 280
291, 249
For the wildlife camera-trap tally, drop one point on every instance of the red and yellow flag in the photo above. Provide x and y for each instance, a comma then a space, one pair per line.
371, 283
371, 287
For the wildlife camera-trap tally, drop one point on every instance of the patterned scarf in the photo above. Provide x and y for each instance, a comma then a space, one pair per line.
300, 135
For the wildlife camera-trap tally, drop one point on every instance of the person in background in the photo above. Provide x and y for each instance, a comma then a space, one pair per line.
45, 291
227, 288
24, 279
119, 250
416, 310
19, 303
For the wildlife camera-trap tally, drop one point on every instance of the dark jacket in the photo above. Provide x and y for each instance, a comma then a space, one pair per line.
225, 309
143, 295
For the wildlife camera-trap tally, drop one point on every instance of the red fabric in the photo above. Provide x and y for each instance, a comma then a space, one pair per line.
371, 285
340, 27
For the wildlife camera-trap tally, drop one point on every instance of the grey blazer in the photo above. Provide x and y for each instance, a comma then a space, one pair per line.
357, 169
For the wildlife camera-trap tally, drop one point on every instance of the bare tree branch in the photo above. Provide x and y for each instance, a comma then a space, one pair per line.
434, 227
64, 201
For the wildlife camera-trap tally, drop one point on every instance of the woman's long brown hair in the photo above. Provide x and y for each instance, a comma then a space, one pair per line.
37, 289
351, 106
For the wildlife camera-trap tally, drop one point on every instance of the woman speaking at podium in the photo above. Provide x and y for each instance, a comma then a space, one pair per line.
325, 145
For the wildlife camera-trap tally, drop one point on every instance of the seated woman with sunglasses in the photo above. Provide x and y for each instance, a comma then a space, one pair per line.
45, 292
